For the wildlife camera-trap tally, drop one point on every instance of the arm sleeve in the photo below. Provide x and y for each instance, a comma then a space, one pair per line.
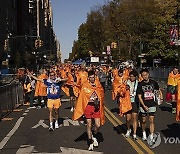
45, 82
139, 88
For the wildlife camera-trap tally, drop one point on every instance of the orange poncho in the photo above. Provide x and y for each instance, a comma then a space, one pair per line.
41, 89
125, 101
178, 103
115, 72
116, 84
70, 82
82, 77
84, 97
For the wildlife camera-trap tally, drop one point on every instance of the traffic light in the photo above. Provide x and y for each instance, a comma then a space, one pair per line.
90, 53
36, 43
115, 45
6, 45
112, 45
40, 43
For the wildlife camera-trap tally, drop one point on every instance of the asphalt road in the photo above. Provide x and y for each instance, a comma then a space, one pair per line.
26, 131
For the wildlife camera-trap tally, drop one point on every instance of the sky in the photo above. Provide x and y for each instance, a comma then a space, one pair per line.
68, 15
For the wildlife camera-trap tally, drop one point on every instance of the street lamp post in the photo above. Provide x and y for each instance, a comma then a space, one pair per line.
140, 52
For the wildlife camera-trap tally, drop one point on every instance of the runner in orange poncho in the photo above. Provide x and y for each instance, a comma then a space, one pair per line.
82, 76
124, 99
91, 103
41, 89
118, 80
178, 103
70, 88
126, 74
114, 72
69, 82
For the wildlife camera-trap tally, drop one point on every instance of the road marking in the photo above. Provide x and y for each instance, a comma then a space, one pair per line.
78, 151
27, 149
7, 119
3, 111
68, 121
65, 99
40, 123
11, 133
26, 111
144, 146
24, 114
17, 110
128, 139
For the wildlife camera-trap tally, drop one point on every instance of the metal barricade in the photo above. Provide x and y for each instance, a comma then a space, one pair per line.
159, 74
11, 96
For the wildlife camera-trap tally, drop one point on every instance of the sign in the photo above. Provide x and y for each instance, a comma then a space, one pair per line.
157, 61
5, 63
173, 33
108, 50
94, 59
140, 56
177, 42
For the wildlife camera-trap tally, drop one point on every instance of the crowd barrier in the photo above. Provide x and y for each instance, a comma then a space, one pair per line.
11, 97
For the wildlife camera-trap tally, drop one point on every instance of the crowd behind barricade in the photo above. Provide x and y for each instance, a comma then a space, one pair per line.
135, 93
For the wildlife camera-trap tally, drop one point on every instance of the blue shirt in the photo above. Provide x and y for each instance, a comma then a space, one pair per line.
53, 89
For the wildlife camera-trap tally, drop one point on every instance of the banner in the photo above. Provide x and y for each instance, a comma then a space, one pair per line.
173, 32
108, 50
94, 59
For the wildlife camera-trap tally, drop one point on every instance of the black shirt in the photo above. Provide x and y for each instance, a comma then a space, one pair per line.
147, 91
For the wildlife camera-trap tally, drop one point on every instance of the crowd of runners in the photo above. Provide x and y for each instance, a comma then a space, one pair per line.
135, 93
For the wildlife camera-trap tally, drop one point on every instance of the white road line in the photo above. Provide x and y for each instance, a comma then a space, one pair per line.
11, 133
24, 114
40, 123
65, 99
25, 149
26, 111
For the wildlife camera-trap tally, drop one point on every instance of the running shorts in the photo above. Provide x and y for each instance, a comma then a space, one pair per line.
54, 103
91, 112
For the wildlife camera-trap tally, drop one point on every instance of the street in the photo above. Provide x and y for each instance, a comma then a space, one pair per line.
26, 131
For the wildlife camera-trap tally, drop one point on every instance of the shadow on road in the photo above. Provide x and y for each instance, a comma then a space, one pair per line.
84, 137
120, 129
67, 108
115, 110
173, 130
166, 108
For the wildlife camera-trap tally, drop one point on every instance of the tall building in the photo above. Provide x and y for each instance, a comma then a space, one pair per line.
8, 26
23, 22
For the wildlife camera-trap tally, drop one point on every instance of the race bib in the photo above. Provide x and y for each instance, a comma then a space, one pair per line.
148, 95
